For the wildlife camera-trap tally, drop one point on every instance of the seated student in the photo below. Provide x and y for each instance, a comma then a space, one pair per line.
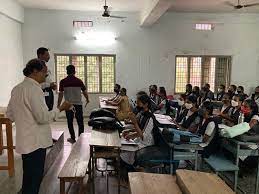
232, 90
117, 89
234, 112
255, 96
191, 121
181, 110
208, 129
250, 110
221, 114
188, 89
142, 131
123, 105
208, 93
240, 92
221, 92
203, 97
163, 107
196, 92
137, 109
154, 95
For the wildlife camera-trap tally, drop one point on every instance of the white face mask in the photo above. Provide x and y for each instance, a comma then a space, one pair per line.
188, 106
180, 102
234, 103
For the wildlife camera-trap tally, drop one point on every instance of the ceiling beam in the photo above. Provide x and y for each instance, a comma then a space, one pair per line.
153, 11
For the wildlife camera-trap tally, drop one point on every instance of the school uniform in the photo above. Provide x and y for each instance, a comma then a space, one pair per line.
234, 114
191, 120
220, 96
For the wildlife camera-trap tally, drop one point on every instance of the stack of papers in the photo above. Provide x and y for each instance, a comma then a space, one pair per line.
128, 142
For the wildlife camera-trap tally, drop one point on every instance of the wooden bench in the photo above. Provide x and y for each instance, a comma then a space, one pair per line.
219, 163
76, 166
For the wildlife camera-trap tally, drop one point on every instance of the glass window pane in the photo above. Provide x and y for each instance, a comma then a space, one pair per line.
93, 74
181, 74
62, 63
107, 74
195, 71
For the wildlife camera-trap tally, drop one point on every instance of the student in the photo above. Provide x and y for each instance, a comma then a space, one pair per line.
221, 92
137, 109
196, 92
116, 90
191, 121
71, 87
142, 130
250, 110
188, 89
181, 110
255, 96
48, 86
240, 92
208, 129
163, 107
232, 90
154, 95
203, 96
224, 111
123, 105
27, 108
208, 93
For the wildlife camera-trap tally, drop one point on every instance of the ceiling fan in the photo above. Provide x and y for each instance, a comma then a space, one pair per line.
240, 6
106, 13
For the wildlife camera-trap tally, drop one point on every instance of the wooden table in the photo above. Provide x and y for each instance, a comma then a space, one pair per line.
239, 149
103, 104
148, 183
110, 143
9, 147
193, 182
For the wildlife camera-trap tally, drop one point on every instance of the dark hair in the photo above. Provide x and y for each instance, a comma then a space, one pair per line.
241, 88
71, 69
183, 96
118, 86
223, 86
124, 90
252, 104
228, 95
41, 51
208, 106
196, 90
240, 97
145, 99
234, 87
163, 91
207, 85
34, 64
140, 93
189, 86
192, 99
155, 87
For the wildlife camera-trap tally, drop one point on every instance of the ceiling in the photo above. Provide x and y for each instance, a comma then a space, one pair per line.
85, 5
208, 6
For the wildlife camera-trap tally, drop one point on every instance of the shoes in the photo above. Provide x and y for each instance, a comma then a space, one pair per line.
70, 140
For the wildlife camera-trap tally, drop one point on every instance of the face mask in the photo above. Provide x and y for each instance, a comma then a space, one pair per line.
220, 90
201, 112
229, 91
245, 111
239, 92
234, 103
188, 106
180, 102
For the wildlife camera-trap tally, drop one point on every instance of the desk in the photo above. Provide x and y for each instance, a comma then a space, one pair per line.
102, 104
148, 183
239, 148
111, 144
9, 147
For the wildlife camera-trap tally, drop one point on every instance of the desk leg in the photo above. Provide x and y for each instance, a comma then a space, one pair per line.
171, 161
236, 172
257, 177
62, 186
196, 160
92, 168
119, 173
10, 149
1, 140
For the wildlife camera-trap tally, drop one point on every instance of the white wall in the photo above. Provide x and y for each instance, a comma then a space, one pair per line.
11, 59
12, 9
147, 56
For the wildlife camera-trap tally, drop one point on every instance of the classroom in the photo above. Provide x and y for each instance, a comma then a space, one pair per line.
129, 97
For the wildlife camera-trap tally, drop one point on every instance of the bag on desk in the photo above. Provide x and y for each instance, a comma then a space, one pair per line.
105, 123
100, 112
235, 130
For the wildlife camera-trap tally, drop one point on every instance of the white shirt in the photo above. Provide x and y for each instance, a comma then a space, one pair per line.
27, 108
210, 131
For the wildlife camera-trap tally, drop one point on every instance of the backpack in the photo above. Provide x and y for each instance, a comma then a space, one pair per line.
105, 123
100, 112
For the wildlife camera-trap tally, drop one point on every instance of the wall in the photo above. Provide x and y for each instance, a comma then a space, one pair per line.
12, 9
147, 55
11, 59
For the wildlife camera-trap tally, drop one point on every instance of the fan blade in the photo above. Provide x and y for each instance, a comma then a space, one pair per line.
229, 4
119, 17
251, 5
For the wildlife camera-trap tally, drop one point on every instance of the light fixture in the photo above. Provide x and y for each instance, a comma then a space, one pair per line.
95, 38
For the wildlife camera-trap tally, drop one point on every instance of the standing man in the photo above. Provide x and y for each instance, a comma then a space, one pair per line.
71, 87
48, 85
28, 110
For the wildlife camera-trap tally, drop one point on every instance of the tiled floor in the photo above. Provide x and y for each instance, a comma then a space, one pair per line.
50, 183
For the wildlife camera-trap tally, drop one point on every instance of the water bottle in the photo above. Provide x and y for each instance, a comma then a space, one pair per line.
176, 113
241, 118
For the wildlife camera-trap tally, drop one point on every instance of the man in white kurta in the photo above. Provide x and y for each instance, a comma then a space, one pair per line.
27, 108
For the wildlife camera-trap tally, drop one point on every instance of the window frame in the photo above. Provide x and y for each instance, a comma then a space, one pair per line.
202, 62
85, 68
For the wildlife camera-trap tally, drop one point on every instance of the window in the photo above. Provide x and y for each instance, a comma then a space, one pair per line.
203, 27
96, 71
198, 70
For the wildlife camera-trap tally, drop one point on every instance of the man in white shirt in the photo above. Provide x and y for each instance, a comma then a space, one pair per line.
48, 86
27, 108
